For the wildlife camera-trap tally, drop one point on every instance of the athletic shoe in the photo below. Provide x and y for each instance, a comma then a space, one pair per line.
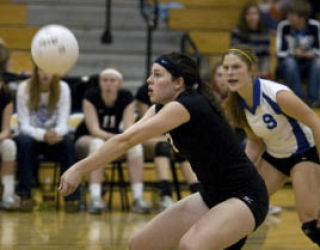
140, 206
10, 202
96, 205
274, 210
165, 202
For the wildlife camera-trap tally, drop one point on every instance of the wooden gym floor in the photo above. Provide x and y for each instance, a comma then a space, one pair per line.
43, 230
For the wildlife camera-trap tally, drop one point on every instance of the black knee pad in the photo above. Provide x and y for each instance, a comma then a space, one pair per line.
162, 149
310, 229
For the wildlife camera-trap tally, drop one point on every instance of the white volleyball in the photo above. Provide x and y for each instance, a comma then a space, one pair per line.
55, 49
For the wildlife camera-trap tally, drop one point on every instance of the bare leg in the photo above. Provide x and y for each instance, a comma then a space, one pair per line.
166, 229
224, 225
273, 178
306, 190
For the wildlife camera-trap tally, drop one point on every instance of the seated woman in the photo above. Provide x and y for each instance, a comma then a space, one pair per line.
43, 107
252, 32
104, 108
8, 150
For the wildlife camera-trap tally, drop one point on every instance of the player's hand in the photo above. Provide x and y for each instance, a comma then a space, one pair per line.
69, 181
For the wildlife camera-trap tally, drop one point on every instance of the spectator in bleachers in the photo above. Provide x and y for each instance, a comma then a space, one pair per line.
8, 150
252, 32
159, 149
105, 107
7, 75
298, 50
273, 12
43, 107
217, 82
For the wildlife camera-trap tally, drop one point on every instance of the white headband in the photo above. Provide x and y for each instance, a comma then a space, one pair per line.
113, 72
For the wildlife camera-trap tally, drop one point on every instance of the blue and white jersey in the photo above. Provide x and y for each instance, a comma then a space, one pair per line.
282, 135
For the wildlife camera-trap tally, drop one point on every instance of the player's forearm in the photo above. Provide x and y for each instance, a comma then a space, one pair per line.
110, 151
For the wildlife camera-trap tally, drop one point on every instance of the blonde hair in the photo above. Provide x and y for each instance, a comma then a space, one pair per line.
232, 106
35, 91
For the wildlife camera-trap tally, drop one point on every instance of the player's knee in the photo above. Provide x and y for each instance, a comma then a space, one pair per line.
162, 149
95, 144
9, 150
312, 231
135, 152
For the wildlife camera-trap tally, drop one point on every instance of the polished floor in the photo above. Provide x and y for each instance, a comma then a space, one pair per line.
45, 229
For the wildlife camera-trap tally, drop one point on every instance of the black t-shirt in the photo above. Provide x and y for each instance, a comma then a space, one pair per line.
142, 94
211, 146
109, 117
5, 99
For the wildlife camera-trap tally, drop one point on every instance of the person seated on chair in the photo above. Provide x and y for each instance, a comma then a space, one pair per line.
104, 107
43, 107
159, 150
252, 31
298, 51
8, 150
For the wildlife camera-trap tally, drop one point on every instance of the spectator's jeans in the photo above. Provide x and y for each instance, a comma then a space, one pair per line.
28, 151
293, 71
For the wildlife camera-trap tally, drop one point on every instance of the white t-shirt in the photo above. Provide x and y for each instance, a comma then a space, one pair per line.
36, 123
282, 135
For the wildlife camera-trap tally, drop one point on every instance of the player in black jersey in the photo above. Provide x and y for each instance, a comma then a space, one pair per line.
105, 107
234, 200
158, 149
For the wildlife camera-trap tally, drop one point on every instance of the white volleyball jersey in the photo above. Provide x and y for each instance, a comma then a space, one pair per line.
282, 135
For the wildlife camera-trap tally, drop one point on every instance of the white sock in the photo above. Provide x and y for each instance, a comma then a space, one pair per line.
137, 190
8, 185
95, 190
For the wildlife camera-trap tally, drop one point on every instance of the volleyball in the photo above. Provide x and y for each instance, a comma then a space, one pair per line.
55, 49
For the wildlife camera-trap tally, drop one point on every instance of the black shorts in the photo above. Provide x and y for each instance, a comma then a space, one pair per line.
253, 193
284, 165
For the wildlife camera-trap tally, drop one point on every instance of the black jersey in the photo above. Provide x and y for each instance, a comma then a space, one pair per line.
109, 117
211, 146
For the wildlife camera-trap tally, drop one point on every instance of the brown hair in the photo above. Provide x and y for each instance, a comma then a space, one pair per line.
242, 23
300, 7
192, 80
35, 91
4, 57
232, 105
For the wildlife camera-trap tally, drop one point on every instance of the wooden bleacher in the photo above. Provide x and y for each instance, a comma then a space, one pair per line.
16, 34
208, 3
209, 23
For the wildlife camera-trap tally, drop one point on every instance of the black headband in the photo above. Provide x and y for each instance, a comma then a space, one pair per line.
168, 65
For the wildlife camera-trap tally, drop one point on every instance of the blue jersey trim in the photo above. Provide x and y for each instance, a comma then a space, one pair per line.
272, 104
302, 141
256, 97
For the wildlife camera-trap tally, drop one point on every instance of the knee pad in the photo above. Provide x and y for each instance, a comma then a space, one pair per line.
310, 229
8, 150
162, 149
95, 144
134, 152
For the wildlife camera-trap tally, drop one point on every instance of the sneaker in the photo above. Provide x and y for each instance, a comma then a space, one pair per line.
165, 202
274, 210
26, 204
140, 206
71, 206
96, 205
10, 202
